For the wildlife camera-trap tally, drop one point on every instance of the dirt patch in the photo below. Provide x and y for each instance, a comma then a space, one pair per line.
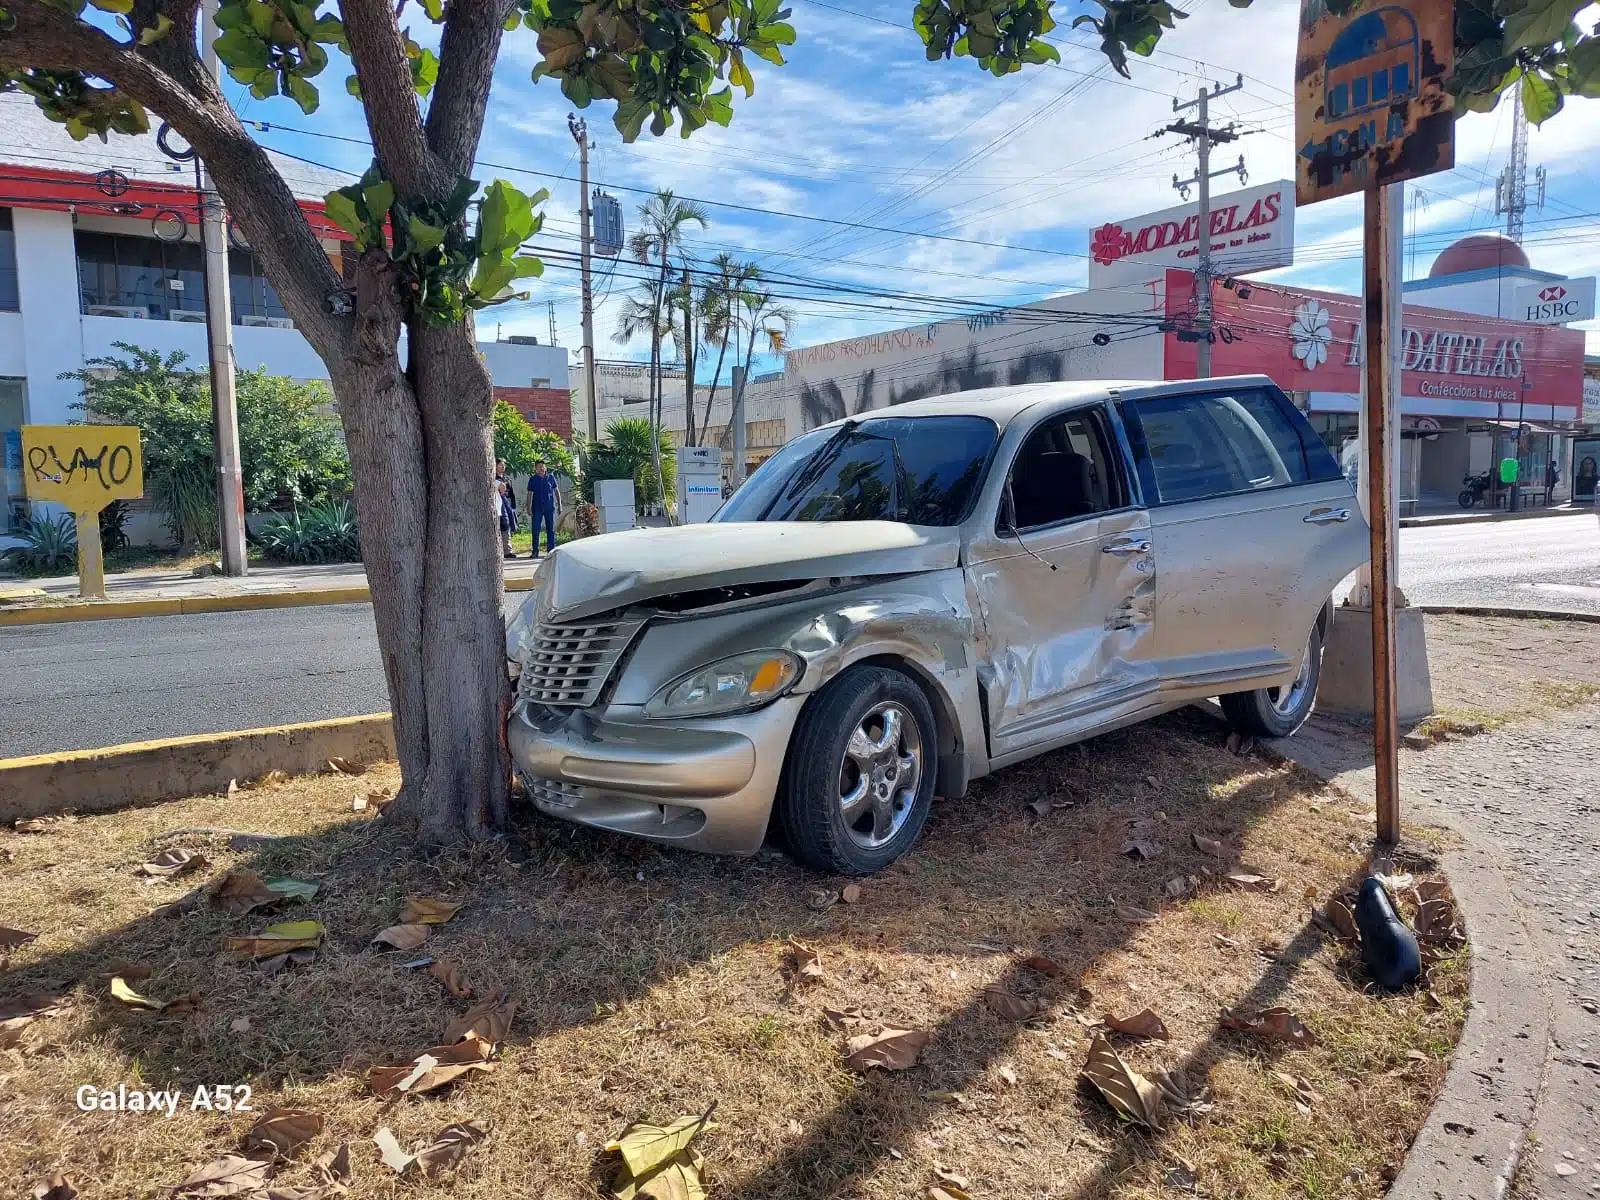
651, 983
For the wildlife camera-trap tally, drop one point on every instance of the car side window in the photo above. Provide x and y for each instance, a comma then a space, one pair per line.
1066, 469
1219, 444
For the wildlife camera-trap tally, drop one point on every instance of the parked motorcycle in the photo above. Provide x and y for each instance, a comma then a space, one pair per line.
1476, 487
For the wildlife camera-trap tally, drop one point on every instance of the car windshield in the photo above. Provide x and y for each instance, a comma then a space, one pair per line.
921, 470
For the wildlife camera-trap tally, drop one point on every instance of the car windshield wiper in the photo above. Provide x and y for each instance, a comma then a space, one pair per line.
812, 471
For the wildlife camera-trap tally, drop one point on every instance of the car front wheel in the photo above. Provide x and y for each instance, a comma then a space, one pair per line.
860, 775
1278, 712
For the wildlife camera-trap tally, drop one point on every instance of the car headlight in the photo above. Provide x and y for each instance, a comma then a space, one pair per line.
735, 684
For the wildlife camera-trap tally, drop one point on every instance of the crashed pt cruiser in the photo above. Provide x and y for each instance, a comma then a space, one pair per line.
899, 603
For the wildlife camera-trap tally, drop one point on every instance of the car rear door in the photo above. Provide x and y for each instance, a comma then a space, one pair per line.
1253, 525
1065, 586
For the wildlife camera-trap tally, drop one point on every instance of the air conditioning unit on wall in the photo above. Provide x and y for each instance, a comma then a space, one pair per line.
137, 311
258, 322
192, 318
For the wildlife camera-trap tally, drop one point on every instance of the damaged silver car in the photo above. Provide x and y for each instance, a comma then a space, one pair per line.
897, 604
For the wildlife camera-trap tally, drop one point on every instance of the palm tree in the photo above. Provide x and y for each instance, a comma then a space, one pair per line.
761, 313
720, 314
663, 219
686, 335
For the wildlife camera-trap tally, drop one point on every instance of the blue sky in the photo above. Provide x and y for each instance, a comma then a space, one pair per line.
860, 127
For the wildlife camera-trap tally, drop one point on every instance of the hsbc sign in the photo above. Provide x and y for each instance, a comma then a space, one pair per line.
1251, 230
1555, 303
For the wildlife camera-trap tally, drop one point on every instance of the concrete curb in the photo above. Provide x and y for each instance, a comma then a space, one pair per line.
1486, 518
113, 610
1529, 614
148, 772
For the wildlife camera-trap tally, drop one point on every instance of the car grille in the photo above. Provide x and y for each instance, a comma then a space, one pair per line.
566, 666
552, 792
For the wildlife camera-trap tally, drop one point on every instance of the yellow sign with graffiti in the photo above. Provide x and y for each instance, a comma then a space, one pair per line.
82, 467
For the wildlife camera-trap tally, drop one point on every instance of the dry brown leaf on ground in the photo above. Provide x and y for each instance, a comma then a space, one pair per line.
1209, 846
1141, 849
32, 824
805, 962
1045, 966
851, 893
424, 910
10, 939
132, 972
448, 1145
1270, 1024
1434, 889
343, 766
947, 1191
238, 891
57, 1187
1127, 1091
11, 1030
1436, 920
283, 1130
682, 1178
433, 1068
275, 940
1341, 919
822, 900
892, 1050
1250, 882
121, 990
1299, 1088
1142, 1024
332, 1169
270, 779
176, 861
843, 1018
389, 1151
1135, 915
1178, 886
1009, 1006
403, 937
488, 1020
950, 1178
447, 973
1182, 1096
226, 1176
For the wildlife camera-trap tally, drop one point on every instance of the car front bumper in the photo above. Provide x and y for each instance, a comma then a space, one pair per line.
703, 785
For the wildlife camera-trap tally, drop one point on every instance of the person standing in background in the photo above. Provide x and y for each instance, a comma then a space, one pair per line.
507, 516
543, 499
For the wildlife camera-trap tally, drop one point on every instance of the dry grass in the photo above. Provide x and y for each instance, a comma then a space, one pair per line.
652, 983
1487, 671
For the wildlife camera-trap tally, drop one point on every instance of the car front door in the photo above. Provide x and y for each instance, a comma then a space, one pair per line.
1254, 527
1065, 587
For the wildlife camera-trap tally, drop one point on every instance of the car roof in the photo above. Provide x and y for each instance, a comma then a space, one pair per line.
1004, 404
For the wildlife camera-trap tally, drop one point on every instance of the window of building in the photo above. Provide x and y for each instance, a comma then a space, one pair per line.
124, 271
9, 296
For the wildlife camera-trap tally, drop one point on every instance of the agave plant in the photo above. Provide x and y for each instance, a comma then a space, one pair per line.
51, 544
324, 532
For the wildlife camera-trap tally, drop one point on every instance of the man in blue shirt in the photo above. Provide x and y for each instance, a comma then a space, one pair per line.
543, 498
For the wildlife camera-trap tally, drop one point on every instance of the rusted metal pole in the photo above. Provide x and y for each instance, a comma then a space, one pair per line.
1382, 405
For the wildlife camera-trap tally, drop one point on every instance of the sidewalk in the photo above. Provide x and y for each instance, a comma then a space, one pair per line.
156, 592
1435, 516
1524, 800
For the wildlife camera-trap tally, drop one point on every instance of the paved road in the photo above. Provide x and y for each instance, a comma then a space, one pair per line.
1543, 562
78, 686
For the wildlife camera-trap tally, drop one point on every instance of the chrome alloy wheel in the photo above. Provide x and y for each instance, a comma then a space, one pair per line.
1286, 701
880, 774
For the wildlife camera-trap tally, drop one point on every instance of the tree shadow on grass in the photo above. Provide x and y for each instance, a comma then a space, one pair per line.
588, 930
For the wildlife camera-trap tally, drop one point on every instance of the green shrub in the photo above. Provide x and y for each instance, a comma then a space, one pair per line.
321, 533
114, 526
626, 454
521, 445
52, 544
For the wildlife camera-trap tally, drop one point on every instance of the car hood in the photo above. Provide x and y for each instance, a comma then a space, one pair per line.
612, 571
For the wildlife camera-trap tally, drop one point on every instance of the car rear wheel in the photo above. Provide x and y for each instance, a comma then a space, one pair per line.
1278, 712
860, 774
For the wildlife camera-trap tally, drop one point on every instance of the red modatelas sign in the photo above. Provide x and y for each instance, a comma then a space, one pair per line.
1456, 363
1251, 230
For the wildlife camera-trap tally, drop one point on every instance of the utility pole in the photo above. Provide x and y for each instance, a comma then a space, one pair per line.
580, 134
219, 337
1204, 137
1511, 189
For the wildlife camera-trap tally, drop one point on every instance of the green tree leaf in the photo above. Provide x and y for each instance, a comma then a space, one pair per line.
341, 210
240, 49
379, 198
151, 34
304, 93
1583, 67
739, 74
1540, 23
527, 266
424, 72
1541, 98
423, 234
113, 6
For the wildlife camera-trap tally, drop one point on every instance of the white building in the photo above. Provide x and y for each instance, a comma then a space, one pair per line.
100, 245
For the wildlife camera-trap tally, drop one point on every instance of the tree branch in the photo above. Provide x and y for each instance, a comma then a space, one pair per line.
467, 52
394, 119
190, 99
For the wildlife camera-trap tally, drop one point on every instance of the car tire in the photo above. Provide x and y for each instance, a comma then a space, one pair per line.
1278, 712
846, 805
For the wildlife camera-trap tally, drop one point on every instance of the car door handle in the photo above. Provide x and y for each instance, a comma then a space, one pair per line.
1137, 546
1326, 516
